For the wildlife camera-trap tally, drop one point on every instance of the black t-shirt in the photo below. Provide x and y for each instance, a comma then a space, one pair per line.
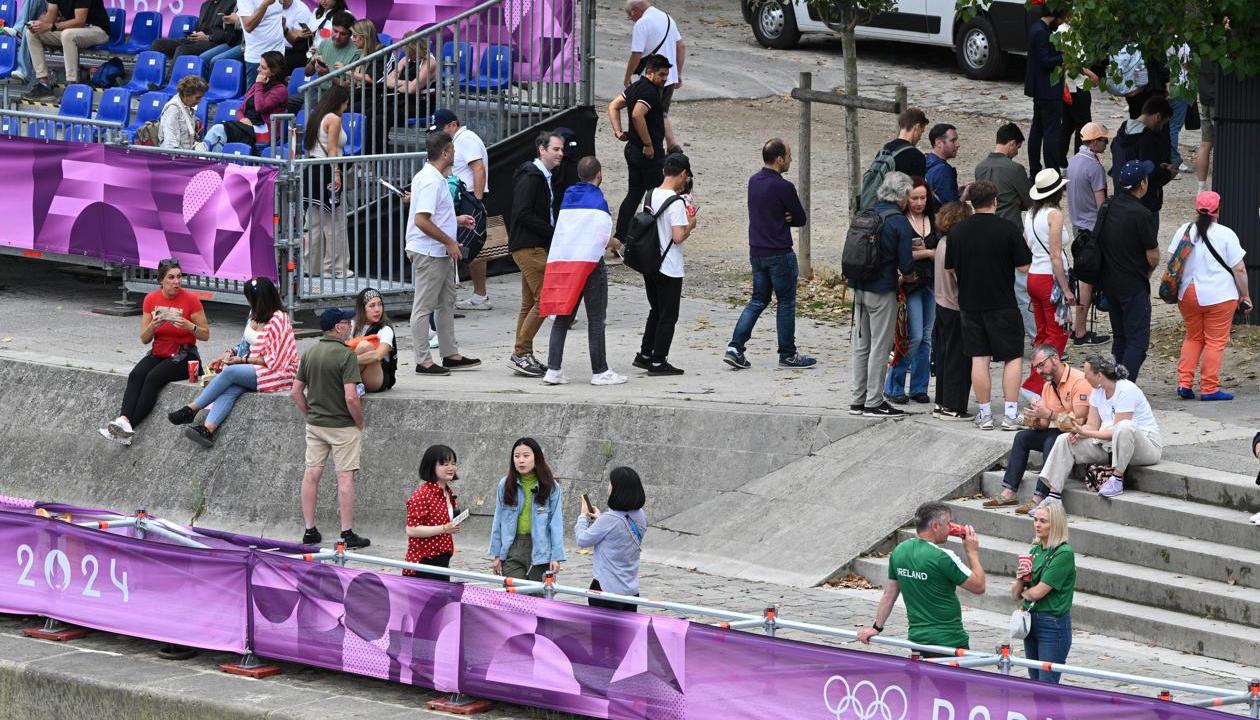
1124, 234
643, 91
911, 162
96, 12
983, 251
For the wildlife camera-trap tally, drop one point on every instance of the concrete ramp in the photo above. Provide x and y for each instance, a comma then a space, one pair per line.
801, 523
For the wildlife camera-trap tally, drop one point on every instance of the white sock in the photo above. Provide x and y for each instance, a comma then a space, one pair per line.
480, 298
986, 410
1203, 186
1011, 408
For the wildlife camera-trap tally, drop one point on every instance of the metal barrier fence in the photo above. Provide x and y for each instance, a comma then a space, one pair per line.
39, 126
503, 67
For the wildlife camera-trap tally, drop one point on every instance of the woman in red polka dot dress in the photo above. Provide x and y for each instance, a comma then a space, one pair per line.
430, 513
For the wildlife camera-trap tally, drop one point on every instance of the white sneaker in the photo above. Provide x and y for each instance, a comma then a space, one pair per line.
608, 377
1184, 168
474, 302
120, 427
1255, 519
555, 377
18, 75
124, 441
433, 339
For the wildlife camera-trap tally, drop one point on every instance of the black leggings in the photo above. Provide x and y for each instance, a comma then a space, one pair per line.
609, 604
443, 560
144, 383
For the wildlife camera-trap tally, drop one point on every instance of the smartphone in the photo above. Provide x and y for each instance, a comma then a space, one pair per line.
304, 26
587, 507
461, 517
388, 186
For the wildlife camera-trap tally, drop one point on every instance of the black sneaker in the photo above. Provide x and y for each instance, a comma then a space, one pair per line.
856, 408
899, 399
1091, 338
177, 652
39, 92
182, 416
736, 359
353, 541
461, 363
200, 435
523, 365
641, 361
947, 414
433, 369
884, 411
663, 368
921, 398
797, 362
312, 536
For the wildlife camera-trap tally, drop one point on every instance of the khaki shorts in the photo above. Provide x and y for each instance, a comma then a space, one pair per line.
344, 444
1207, 130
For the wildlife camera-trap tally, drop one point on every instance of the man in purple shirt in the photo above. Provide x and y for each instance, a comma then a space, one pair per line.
773, 210
1086, 191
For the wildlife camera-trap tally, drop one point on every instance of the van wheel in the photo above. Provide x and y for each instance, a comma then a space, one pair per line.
976, 47
774, 24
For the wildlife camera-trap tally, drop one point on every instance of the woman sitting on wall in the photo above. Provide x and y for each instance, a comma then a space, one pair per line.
266, 360
173, 321
373, 341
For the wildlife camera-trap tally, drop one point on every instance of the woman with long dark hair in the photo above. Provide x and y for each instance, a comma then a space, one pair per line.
920, 304
325, 248
431, 512
252, 126
527, 535
266, 360
617, 536
172, 322
1046, 232
953, 367
373, 341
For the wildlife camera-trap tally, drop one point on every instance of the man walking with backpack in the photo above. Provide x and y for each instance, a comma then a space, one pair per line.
899, 154
773, 210
877, 250
529, 237
674, 223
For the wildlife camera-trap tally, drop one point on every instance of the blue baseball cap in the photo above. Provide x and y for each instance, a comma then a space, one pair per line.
1134, 172
330, 317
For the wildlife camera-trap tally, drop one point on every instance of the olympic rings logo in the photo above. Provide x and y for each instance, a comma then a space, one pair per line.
864, 701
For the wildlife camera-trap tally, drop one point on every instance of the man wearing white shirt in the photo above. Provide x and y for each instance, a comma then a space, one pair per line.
472, 165
656, 33
297, 21
264, 32
433, 252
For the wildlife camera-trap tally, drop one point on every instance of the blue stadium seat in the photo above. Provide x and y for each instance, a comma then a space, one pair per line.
145, 28
117, 30
386, 39
237, 149
76, 102
181, 25
296, 78
203, 113
225, 80
226, 111
42, 129
10, 126
494, 72
461, 54
149, 72
183, 66
8, 56
300, 119
149, 108
8, 12
281, 151
353, 124
115, 106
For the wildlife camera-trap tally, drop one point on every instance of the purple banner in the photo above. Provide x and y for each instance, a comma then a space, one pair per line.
138, 208
120, 584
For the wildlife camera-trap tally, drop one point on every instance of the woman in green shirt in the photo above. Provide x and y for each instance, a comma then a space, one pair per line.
527, 535
1046, 587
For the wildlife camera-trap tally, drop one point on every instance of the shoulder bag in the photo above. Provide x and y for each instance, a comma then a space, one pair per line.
1021, 619
638, 70
1056, 292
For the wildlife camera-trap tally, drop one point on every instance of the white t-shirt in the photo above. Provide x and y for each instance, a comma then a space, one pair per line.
647, 34
1037, 235
1127, 398
1213, 284
430, 194
385, 334
295, 15
469, 146
674, 216
267, 35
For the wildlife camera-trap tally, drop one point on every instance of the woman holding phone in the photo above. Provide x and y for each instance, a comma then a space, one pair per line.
431, 513
527, 535
617, 536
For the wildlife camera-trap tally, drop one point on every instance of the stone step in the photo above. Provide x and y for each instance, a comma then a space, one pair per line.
1118, 618
1177, 554
1162, 513
1123, 581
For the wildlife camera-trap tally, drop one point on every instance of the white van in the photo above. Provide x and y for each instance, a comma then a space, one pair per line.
980, 44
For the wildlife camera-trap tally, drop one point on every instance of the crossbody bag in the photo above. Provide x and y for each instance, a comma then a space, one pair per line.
1021, 619
669, 20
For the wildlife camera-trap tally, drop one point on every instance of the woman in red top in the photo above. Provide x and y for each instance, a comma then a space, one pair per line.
430, 511
268, 365
173, 321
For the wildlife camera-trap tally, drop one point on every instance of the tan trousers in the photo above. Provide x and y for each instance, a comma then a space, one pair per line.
1128, 446
69, 41
532, 262
433, 281
325, 246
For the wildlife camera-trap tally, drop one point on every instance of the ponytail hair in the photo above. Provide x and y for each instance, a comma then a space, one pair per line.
1202, 223
1107, 365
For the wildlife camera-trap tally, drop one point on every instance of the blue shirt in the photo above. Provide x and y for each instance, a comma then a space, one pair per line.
546, 527
942, 178
896, 239
770, 197
616, 559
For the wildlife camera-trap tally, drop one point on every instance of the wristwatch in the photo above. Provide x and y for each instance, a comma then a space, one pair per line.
877, 627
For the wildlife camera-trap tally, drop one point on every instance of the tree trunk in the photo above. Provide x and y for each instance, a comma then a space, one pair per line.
848, 42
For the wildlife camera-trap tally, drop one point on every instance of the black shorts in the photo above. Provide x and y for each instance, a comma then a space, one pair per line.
998, 334
667, 97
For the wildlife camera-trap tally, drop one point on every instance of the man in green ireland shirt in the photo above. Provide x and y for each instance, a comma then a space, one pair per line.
927, 573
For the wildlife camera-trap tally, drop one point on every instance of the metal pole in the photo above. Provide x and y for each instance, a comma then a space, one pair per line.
1004, 665
588, 52
1255, 698
902, 102
802, 178
771, 614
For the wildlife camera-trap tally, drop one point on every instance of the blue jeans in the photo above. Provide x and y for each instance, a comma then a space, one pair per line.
219, 52
777, 273
251, 74
1130, 330
32, 10
1050, 640
224, 389
1179, 108
921, 307
1025, 442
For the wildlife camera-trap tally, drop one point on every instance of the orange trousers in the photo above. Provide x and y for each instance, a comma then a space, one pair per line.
1207, 334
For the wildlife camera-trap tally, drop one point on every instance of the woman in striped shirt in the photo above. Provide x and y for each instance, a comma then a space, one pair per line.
269, 365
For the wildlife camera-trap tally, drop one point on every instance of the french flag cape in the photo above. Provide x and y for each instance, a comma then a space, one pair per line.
583, 227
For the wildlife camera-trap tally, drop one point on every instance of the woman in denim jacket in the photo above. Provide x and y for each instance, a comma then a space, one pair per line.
526, 544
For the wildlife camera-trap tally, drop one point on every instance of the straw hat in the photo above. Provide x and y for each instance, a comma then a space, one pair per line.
1047, 183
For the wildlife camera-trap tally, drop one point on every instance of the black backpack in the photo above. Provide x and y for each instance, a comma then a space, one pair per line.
860, 260
884, 163
1087, 253
472, 239
642, 252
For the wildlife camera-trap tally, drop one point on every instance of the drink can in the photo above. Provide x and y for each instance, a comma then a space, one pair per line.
193, 367
1025, 565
